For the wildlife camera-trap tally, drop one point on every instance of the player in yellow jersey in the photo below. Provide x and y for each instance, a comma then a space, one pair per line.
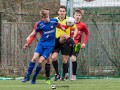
64, 48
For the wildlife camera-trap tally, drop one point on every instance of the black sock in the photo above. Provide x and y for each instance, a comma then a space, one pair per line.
64, 69
67, 67
70, 42
47, 70
74, 66
55, 65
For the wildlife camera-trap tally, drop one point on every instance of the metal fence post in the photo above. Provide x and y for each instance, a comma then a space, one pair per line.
0, 34
71, 15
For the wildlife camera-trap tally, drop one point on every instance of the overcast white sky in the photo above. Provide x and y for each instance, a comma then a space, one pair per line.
95, 3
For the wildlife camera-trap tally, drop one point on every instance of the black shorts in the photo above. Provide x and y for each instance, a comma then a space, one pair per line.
72, 52
64, 48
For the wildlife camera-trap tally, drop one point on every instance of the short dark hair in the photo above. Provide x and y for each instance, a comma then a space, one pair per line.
78, 11
62, 6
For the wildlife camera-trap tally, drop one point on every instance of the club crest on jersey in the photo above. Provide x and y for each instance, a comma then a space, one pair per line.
51, 26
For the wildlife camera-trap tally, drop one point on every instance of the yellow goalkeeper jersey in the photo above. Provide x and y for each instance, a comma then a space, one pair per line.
60, 32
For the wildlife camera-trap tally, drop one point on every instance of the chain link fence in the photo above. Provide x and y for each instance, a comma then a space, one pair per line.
101, 57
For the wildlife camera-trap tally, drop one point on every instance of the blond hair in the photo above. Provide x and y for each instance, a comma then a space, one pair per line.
44, 12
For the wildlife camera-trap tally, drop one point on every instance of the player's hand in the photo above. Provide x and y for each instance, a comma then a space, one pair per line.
25, 46
83, 45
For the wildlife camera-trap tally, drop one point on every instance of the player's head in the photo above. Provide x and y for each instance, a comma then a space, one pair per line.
45, 15
78, 15
62, 11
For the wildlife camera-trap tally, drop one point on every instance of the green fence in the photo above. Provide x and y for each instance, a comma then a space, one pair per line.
101, 56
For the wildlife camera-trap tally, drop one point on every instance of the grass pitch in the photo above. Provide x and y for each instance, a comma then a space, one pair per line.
81, 84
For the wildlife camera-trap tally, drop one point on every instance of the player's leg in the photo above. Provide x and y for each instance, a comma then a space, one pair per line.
39, 49
77, 47
65, 64
47, 70
55, 65
74, 67
65, 56
31, 67
74, 63
37, 70
68, 40
65, 39
55, 57
37, 53
67, 74
46, 53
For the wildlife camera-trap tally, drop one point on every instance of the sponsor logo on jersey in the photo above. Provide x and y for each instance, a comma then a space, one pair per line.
48, 32
51, 26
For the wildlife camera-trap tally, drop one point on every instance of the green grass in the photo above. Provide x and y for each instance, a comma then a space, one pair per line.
81, 84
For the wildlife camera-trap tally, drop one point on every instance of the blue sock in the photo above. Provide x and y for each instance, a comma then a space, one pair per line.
30, 69
38, 68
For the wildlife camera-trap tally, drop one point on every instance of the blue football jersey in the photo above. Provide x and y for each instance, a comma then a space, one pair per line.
48, 31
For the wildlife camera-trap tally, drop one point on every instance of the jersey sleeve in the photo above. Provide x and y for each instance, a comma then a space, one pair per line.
86, 33
35, 25
38, 28
30, 41
32, 37
56, 21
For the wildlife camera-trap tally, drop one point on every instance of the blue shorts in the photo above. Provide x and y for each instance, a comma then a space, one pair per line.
44, 50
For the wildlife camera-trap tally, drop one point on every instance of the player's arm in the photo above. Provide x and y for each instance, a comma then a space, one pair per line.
28, 42
75, 32
64, 26
61, 27
30, 38
58, 25
86, 37
31, 35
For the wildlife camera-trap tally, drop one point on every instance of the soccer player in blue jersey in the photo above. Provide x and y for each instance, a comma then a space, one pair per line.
47, 27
